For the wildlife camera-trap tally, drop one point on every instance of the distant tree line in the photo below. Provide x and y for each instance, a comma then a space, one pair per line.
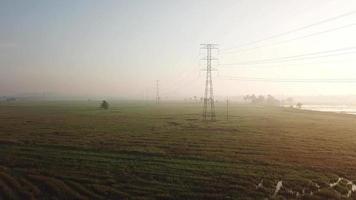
271, 101
8, 99
268, 100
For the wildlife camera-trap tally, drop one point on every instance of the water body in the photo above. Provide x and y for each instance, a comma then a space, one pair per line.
345, 109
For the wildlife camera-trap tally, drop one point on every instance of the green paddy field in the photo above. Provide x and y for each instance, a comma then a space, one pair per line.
136, 150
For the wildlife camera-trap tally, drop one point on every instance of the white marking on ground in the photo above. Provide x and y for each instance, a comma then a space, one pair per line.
317, 185
336, 183
278, 187
349, 194
353, 188
348, 182
260, 185
317, 188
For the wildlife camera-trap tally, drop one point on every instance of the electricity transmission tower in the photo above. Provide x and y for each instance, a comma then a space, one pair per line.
227, 108
157, 92
209, 107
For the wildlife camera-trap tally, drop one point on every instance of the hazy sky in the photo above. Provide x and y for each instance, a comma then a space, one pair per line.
119, 48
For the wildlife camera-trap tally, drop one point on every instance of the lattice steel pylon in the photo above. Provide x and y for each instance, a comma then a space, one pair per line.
209, 106
157, 92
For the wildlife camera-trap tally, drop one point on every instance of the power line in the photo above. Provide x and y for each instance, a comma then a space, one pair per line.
227, 108
157, 92
313, 55
290, 63
294, 60
294, 30
293, 39
296, 80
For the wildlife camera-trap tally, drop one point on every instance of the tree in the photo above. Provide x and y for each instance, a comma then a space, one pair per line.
299, 105
246, 97
104, 105
250, 98
272, 101
260, 100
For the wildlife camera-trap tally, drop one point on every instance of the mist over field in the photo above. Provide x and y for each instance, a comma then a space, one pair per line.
164, 99
119, 48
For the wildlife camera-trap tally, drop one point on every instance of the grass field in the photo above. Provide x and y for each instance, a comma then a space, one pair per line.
74, 150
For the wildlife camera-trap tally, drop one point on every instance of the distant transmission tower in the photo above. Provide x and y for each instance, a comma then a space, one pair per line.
157, 92
227, 108
209, 107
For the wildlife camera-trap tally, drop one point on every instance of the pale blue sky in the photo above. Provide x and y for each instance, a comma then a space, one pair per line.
118, 48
